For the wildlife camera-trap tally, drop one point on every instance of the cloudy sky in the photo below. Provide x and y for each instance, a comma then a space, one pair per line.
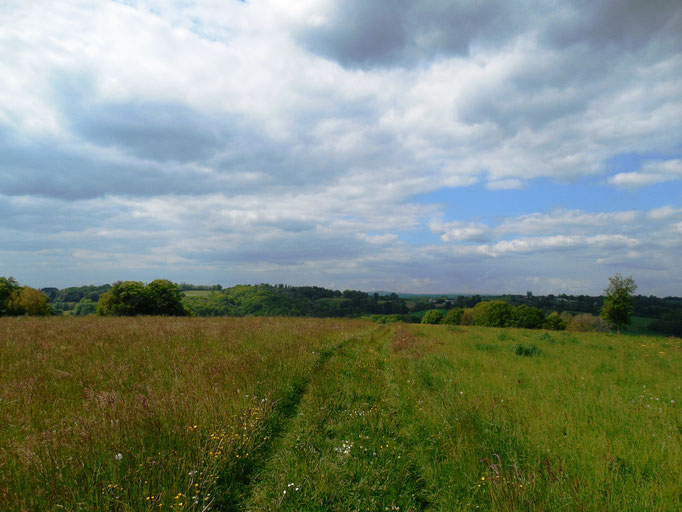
407, 145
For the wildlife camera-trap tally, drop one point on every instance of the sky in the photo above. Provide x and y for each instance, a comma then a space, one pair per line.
424, 146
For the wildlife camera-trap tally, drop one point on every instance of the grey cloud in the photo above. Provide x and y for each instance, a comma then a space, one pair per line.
618, 24
397, 32
49, 167
161, 132
289, 250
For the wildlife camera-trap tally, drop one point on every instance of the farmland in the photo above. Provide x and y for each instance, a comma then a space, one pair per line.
154, 413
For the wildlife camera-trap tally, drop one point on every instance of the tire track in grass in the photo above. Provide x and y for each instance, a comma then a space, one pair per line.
344, 450
234, 484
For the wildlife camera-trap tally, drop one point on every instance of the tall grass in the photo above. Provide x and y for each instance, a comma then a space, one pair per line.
144, 413
300, 414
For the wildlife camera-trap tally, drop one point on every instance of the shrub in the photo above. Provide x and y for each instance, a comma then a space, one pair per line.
495, 313
555, 322
526, 317
453, 317
29, 301
467, 316
85, 307
435, 316
587, 323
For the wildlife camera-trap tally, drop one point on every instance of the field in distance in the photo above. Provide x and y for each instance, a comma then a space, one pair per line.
327, 414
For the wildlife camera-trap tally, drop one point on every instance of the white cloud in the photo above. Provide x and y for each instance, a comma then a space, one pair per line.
262, 135
458, 231
650, 174
508, 184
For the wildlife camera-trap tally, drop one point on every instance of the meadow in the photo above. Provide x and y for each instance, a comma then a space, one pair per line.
259, 414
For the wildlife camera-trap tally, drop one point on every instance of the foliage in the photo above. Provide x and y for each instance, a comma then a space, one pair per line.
555, 322
526, 317
133, 298
495, 313
85, 307
29, 301
585, 322
281, 300
8, 285
453, 317
17, 300
617, 308
434, 316
467, 316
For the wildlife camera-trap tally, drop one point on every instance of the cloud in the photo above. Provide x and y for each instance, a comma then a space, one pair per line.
649, 174
508, 184
284, 141
459, 231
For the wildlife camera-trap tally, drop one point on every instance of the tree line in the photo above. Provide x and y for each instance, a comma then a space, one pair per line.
163, 297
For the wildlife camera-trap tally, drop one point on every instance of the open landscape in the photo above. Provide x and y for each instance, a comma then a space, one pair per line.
340, 256
334, 414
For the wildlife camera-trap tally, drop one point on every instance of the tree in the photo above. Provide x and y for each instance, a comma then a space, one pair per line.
526, 317
494, 313
29, 301
131, 298
435, 316
164, 298
454, 316
8, 286
85, 307
617, 307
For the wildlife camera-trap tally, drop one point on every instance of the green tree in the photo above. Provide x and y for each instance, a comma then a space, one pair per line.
555, 322
164, 298
126, 298
454, 316
494, 313
29, 301
8, 286
435, 316
617, 307
85, 307
132, 298
526, 317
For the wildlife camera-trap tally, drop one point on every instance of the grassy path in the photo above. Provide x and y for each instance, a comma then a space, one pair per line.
345, 449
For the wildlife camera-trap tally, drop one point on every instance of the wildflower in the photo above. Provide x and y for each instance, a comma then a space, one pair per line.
119, 456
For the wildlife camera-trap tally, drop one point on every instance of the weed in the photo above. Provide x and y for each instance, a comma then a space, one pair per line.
527, 350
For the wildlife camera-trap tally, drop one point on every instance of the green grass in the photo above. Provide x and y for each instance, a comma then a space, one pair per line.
198, 293
300, 414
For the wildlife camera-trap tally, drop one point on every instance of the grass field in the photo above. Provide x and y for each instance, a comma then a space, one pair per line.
304, 414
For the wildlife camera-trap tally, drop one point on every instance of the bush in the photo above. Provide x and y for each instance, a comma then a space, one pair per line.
453, 317
435, 316
29, 301
85, 307
587, 323
555, 322
526, 317
8, 286
22, 300
495, 313
467, 316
